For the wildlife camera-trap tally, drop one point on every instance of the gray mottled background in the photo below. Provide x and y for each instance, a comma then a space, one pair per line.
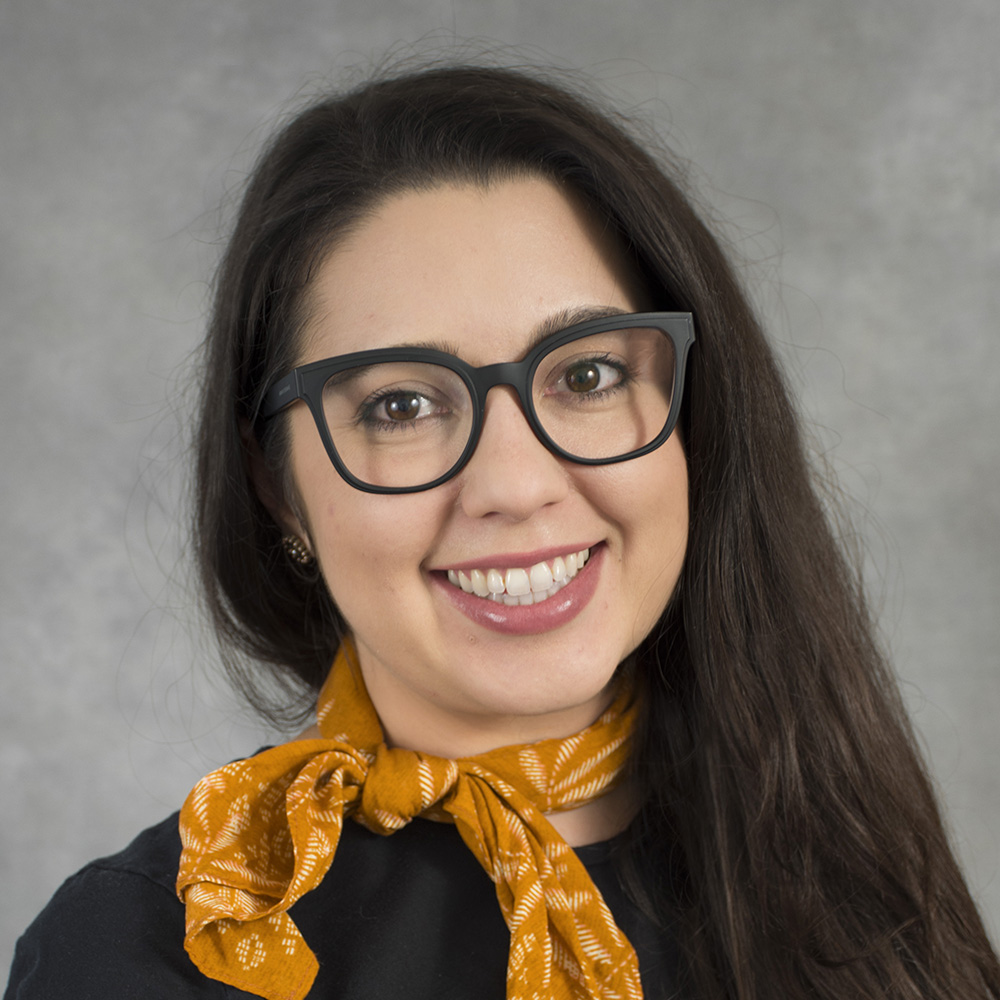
851, 145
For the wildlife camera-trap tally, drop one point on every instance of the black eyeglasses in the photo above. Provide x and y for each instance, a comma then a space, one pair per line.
401, 420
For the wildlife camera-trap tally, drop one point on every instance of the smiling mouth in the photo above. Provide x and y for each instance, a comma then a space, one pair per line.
521, 586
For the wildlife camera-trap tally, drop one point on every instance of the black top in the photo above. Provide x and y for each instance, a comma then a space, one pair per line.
412, 915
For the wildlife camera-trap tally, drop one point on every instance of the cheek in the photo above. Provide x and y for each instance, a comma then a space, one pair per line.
651, 504
348, 528
360, 548
648, 497
371, 547
665, 510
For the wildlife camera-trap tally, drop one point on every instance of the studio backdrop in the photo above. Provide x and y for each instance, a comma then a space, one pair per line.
849, 151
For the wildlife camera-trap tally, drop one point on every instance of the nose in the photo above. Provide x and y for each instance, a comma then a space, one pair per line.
511, 472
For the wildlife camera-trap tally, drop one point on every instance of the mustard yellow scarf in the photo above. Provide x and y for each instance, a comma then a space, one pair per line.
260, 833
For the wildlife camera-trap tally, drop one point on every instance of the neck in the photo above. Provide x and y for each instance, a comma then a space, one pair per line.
598, 820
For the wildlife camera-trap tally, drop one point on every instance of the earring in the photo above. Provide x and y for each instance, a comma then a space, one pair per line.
296, 550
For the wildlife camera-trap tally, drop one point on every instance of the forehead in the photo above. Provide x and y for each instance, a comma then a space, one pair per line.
473, 270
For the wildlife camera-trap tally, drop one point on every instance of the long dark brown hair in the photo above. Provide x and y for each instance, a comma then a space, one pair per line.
789, 835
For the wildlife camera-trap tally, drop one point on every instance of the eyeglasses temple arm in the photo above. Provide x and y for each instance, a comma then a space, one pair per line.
283, 392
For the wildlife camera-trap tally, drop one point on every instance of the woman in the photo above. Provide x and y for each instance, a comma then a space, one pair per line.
458, 439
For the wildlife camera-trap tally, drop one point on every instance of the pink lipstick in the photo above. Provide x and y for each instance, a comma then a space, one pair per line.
530, 619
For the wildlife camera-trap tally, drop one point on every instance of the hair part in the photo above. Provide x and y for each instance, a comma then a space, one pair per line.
789, 834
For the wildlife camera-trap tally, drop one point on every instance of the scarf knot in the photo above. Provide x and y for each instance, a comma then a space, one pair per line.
402, 784
259, 833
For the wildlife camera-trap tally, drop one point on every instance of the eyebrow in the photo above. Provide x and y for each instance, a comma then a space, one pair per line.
555, 323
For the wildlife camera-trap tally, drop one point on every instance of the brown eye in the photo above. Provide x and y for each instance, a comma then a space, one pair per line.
583, 378
403, 407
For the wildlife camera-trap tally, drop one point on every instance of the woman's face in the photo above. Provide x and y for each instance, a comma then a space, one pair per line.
480, 271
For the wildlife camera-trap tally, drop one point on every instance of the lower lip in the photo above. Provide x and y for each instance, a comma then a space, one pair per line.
529, 619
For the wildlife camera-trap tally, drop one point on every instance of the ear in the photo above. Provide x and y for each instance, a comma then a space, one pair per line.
270, 494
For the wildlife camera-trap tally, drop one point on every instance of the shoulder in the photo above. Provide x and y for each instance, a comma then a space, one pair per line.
114, 929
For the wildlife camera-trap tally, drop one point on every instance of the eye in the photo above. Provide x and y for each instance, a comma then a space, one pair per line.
398, 407
405, 406
589, 375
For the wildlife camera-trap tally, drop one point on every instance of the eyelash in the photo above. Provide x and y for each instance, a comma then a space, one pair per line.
625, 379
366, 410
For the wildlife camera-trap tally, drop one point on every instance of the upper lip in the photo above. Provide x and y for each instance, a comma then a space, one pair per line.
511, 560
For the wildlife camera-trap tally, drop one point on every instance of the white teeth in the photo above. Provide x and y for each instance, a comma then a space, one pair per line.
521, 586
517, 583
541, 577
479, 586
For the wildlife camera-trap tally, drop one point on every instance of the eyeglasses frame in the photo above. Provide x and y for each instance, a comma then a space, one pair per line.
306, 382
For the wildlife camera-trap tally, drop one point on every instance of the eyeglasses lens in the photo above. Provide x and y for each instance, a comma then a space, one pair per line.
405, 424
398, 424
605, 395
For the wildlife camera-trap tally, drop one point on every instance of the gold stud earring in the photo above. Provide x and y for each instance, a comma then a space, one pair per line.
296, 550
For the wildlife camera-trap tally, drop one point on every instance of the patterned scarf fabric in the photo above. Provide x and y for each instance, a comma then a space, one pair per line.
259, 833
